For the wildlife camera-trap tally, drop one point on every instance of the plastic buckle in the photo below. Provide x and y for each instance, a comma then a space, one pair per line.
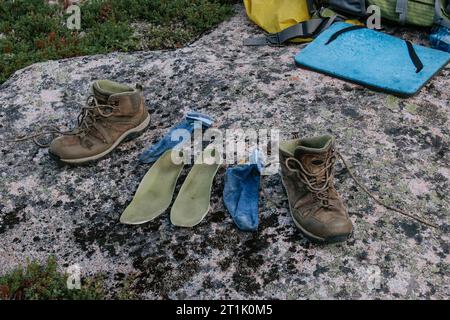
273, 40
255, 41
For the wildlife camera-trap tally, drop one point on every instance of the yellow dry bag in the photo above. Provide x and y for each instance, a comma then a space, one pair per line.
288, 20
277, 15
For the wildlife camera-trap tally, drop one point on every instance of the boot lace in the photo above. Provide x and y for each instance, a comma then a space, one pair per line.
90, 114
318, 191
318, 183
86, 120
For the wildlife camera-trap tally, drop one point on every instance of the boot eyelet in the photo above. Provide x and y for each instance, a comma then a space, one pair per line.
317, 162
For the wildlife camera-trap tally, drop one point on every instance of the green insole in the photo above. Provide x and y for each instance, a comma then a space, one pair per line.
155, 191
192, 203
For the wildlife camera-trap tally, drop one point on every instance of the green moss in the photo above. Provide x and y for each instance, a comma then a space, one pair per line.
33, 31
411, 108
44, 282
392, 103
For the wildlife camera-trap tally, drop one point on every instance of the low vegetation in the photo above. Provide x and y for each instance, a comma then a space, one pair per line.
45, 282
34, 30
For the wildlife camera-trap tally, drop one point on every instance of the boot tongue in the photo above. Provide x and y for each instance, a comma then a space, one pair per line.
100, 94
312, 153
104, 89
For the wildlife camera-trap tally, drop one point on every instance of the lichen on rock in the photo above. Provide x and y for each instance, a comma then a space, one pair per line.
399, 148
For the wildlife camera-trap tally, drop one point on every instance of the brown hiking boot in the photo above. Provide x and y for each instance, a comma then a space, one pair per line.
113, 112
307, 170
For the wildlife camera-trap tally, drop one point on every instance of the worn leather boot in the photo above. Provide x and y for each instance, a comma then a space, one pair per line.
112, 113
307, 167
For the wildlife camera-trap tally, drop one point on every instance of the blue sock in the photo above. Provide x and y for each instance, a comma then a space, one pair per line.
152, 153
241, 193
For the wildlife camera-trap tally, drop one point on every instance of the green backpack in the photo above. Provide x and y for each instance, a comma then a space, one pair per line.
423, 13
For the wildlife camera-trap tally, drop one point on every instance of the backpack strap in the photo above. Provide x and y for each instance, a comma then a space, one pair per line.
414, 57
438, 16
306, 29
338, 33
402, 9
311, 6
412, 53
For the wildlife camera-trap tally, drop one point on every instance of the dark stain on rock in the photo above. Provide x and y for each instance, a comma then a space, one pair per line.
245, 283
225, 263
272, 275
350, 112
410, 229
362, 255
11, 219
319, 270
346, 270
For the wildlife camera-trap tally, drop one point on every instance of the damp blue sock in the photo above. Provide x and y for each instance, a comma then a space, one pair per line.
193, 119
241, 193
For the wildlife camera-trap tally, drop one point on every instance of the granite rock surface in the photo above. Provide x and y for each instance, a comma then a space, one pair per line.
399, 148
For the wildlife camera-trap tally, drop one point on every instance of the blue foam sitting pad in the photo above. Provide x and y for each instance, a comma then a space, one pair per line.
371, 58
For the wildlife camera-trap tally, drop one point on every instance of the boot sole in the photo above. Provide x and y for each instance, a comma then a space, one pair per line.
309, 235
123, 137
